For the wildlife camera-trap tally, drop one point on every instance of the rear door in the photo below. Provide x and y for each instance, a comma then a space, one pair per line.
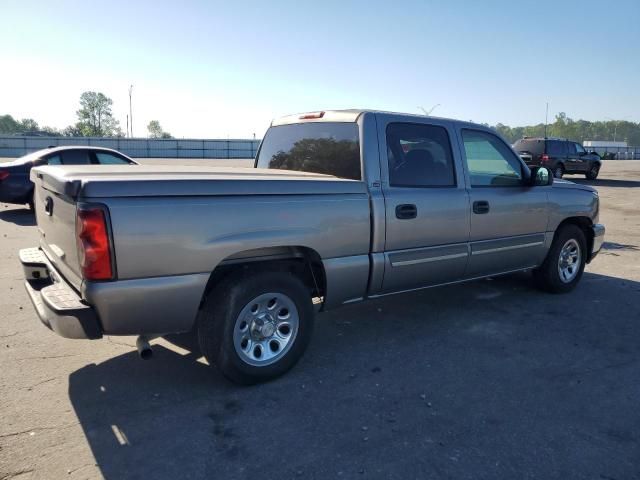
508, 218
426, 204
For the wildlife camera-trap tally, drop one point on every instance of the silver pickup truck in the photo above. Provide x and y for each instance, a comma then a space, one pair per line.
341, 206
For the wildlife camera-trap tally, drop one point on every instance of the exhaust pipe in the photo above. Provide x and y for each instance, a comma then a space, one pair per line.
144, 347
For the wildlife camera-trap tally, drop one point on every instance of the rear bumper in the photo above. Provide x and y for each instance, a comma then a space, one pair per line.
598, 240
145, 306
57, 304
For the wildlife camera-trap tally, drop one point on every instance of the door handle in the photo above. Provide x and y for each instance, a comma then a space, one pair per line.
480, 207
406, 211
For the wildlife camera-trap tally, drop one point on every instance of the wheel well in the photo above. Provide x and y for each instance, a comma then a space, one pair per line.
303, 262
585, 224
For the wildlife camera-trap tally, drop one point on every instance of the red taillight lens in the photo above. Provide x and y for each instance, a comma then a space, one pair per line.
3, 175
544, 158
94, 250
309, 116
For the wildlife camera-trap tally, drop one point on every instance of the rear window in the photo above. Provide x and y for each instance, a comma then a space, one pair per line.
530, 145
321, 147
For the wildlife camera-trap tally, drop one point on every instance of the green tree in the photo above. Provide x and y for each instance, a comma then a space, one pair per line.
156, 131
8, 124
95, 117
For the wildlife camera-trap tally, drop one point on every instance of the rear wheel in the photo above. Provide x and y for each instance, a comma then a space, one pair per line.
592, 174
564, 265
255, 326
558, 172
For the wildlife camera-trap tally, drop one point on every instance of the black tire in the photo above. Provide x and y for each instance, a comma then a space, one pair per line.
593, 172
547, 276
217, 321
558, 171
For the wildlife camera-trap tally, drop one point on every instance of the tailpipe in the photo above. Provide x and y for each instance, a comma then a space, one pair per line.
144, 347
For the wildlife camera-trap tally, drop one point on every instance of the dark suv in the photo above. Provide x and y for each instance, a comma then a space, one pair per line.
558, 155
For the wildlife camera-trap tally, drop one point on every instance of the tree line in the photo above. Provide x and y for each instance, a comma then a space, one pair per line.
577, 130
95, 119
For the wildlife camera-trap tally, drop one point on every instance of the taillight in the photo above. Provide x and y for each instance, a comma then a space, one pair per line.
3, 174
544, 158
94, 249
309, 116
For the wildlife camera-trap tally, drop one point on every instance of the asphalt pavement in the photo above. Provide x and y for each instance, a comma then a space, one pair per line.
487, 380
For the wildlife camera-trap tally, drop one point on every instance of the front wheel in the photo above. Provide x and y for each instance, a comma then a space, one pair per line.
564, 265
592, 174
255, 326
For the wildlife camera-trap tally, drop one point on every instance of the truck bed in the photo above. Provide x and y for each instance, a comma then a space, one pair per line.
173, 225
99, 181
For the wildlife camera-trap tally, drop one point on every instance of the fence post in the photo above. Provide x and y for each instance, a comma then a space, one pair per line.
202, 148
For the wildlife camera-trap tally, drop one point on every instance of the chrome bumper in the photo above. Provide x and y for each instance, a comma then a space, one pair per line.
57, 304
598, 239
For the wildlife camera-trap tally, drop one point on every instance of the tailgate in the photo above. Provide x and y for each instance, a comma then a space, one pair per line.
56, 217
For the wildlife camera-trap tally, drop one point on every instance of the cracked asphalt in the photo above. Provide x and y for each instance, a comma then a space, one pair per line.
487, 380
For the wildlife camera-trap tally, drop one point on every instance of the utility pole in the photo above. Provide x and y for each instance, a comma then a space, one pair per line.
546, 120
130, 111
127, 125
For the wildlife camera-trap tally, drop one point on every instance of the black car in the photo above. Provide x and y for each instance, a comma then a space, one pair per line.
15, 186
558, 155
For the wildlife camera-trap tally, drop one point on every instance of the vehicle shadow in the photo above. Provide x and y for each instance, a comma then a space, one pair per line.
606, 182
619, 246
401, 384
20, 216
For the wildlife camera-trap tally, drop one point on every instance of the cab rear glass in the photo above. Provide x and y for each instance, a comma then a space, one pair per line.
330, 148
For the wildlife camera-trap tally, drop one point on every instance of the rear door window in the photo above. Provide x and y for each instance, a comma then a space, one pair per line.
54, 160
419, 156
331, 148
557, 148
105, 158
75, 157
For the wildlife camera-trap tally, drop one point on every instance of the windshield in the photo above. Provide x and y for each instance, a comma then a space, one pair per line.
331, 148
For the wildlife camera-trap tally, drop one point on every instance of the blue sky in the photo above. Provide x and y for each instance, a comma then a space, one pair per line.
218, 69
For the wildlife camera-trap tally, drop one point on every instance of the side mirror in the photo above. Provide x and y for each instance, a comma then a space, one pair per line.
540, 177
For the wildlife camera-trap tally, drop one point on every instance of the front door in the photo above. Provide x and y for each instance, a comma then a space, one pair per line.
426, 205
574, 162
508, 218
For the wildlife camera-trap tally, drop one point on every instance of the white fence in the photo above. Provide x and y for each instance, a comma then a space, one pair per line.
17, 146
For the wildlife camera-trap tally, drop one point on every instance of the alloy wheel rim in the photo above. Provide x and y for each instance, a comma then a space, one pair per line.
265, 329
569, 261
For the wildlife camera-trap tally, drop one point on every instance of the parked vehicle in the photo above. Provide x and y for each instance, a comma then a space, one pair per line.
561, 156
342, 206
15, 186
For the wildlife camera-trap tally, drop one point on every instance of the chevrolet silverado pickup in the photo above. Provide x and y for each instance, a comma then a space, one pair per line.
342, 206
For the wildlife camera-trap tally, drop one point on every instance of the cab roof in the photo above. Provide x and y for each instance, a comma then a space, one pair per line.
350, 115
